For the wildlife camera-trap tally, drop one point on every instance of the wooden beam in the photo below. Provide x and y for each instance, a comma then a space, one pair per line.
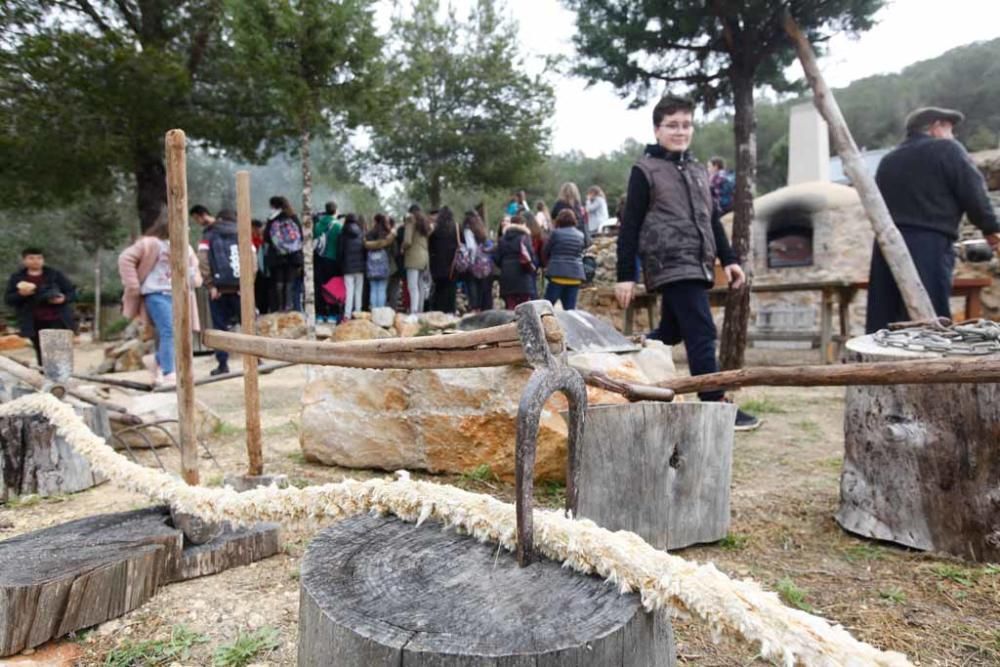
330, 354
633, 392
177, 211
897, 256
31, 378
248, 324
495, 346
921, 371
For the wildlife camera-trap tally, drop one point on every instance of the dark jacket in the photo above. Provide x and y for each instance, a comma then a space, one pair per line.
929, 183
671, 222
442, 245
563, 253
513, 278
351, 249
221, 227
581, 222
52, 281
271, 256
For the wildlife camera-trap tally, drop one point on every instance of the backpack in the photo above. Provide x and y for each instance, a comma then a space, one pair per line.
285, 236
465, 257
224, 259
377, 264
727, 186
482, 264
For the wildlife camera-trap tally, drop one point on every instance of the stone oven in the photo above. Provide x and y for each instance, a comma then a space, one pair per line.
807, 233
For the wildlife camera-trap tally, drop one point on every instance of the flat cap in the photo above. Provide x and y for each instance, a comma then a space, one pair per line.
924, 116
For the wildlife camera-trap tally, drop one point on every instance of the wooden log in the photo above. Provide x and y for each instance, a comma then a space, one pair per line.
57, 353
633, 392
660, 470
890, 240
232, 548
248, 320
469, 350
31, 378
177, 210
84, 572
949, 370
921, 463
34, 460
81, 573
376, 591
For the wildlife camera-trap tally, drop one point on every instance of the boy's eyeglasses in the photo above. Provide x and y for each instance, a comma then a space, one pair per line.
673, 127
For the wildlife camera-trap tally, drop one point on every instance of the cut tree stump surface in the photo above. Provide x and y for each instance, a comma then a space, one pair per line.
34, 460
78, 574
377, 591
660, 470
922, 462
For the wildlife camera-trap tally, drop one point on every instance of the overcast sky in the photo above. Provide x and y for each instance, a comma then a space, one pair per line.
594, 120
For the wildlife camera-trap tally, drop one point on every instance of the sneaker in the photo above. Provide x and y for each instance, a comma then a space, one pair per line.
219, 370
746, 421
168, 380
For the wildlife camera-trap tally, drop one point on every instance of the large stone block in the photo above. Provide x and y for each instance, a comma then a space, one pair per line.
450, 420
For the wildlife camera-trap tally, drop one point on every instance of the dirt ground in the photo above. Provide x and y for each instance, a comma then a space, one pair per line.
938, 610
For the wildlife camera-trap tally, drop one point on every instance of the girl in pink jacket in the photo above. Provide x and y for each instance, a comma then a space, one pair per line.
145, 272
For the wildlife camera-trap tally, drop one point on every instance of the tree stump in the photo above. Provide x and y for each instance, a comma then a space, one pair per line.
922, 462
660, 470
34, 460
376, 591
84, 572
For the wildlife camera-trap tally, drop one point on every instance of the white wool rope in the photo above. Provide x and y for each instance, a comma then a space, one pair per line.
621, 557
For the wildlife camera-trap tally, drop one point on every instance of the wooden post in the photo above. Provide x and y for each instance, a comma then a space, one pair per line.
57, 354
95, 329
897, 256
177, 210
248, 324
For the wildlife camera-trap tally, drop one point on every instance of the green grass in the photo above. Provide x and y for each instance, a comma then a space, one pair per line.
809, 427
296, 457
481, 473
734, 542
992, 570
225, 428
893, 595
215, 480
245, 648
763, 406
299, 482
959, 575
15, 502
154, 652
864, 552
793, 595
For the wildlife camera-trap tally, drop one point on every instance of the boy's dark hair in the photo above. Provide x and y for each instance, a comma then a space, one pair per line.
330, 208
669, 105
198, 209
414, 208
31, 250
566, 218
718, 162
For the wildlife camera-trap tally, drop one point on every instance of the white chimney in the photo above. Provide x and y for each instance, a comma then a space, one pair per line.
808, 145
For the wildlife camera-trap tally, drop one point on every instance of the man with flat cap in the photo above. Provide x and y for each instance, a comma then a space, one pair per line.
928, 182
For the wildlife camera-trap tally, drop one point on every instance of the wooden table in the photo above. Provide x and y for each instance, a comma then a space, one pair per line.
970, 288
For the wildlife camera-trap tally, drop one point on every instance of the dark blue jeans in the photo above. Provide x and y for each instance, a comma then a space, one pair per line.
225, 313
934, 256
685, 316
566, 293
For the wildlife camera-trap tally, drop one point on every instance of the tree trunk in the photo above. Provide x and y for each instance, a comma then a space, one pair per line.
377, 591
150, 187
659, 470
734, 326
434, 191
308, 293
921, 463
96, 328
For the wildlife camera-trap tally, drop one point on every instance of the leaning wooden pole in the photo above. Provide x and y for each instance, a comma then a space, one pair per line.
177, 212
248, 325
897, 256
